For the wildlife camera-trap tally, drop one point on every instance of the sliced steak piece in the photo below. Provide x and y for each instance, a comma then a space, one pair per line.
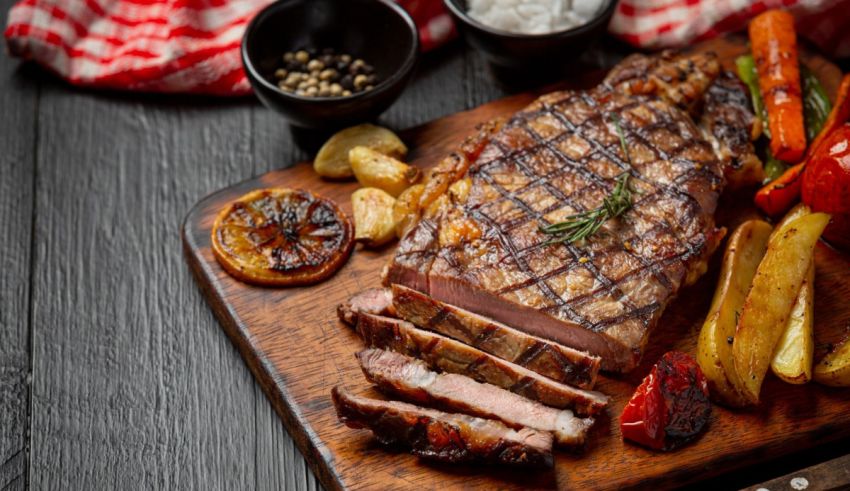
484, 251
411, 380
447, 355
378, 301
442, 436
728, 123
547, 358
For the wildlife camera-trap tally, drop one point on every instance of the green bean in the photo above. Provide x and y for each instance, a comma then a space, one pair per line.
816, 105
749, 75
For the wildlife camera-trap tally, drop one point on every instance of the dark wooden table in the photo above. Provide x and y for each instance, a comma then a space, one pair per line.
113, 371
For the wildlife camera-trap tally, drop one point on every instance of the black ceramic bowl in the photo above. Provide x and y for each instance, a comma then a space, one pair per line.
378, 31
538, 51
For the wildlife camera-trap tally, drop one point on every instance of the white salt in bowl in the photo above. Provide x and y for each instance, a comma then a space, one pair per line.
579, 28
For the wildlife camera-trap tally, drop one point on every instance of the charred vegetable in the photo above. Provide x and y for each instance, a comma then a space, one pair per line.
826, 185
816, 104
774, 45
744, 252
772, 297
670, 407
779, 195
834, 368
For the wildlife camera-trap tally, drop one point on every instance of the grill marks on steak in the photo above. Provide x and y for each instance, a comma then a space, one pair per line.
728, 123
411, 380
549, 359
559, 156
441, 436
447, 355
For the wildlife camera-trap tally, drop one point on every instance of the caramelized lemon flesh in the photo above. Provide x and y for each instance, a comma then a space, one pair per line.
282, 237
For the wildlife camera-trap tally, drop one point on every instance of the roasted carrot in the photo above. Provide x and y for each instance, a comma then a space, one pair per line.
774, 46
778, 196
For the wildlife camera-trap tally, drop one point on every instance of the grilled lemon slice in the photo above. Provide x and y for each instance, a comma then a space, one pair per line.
282, 237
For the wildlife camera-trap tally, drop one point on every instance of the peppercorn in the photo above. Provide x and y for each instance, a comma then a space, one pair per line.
311, 72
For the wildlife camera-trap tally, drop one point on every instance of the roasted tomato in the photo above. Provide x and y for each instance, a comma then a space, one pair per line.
826, 185
670, 407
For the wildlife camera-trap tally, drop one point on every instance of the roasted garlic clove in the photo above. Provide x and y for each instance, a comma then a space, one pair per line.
332, 159
373, 216
374, 169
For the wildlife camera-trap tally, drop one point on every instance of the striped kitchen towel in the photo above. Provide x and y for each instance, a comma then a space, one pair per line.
158, 45
193, 45
654, 24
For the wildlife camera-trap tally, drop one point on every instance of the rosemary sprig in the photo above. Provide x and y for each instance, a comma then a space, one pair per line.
582, 225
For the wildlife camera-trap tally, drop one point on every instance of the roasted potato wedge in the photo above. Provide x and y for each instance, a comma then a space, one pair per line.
406, 209
744, 252
376, 170
834, 368
373, 216
772, 296
332, 159
792, 359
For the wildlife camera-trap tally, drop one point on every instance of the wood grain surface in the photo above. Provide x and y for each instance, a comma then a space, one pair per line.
292, 341
114, 372
18, 103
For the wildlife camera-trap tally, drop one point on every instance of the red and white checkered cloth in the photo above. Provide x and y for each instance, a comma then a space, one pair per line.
656, 24
158, 45
193, 45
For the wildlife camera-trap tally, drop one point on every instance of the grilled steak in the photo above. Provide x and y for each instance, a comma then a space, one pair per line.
447, 355
482, 250
696, 84
728, 123
538, 355
378, 301
411, 380
441, 436
680, 79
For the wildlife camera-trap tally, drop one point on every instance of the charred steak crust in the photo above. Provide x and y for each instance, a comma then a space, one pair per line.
549, 359
442, 436
559, 156
410, 379
447, 355
727, 122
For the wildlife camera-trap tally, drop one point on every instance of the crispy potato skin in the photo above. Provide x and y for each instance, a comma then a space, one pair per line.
772, 296
332, 160
744, 252
373, 216
834, 368
376, 170
792, 360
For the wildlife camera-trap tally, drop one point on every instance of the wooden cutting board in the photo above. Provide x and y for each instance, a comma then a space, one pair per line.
298, 350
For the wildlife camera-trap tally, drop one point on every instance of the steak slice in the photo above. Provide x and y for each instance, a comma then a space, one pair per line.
447, 355
411, 380
549, 359
378, 301
483, 250
442, 436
